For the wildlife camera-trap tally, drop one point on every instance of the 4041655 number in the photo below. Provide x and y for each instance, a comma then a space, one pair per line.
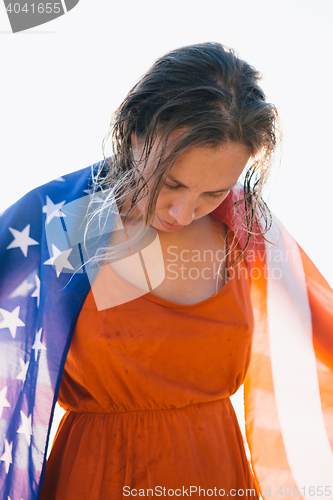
311, 490
40, 8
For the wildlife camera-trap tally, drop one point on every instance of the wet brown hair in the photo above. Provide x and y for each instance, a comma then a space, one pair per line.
213, 97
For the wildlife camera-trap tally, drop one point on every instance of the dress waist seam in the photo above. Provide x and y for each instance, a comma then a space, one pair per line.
146, 410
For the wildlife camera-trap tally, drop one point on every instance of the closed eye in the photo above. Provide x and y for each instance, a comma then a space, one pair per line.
212, 195
171, 187
217, 195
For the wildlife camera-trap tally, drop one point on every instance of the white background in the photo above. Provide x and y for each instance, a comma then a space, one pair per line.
60, 83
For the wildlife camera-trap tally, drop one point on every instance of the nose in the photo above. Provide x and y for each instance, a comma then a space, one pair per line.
181, 213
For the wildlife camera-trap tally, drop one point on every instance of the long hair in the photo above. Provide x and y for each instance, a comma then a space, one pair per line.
213, 97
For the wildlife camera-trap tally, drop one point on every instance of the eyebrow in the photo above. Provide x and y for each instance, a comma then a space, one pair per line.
171, 177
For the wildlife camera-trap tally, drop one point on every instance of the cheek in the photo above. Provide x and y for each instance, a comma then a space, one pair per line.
164, 200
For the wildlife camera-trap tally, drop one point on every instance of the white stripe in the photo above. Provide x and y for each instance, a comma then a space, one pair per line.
294, 368
64, 6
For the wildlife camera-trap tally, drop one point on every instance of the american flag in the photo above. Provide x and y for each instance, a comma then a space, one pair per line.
39, 304
288, 388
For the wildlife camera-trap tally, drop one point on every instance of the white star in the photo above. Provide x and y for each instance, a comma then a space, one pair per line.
7, 456
97, 199
60, 179
38, 346
53, 210
36, 293
59, 260
11, 320
88, 191
25, 427
24, 368
22, 239
22, 290
3, 401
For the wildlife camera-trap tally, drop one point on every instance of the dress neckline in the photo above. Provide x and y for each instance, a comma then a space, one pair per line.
176, 305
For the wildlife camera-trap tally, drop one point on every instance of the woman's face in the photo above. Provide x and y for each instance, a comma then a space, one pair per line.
197, 183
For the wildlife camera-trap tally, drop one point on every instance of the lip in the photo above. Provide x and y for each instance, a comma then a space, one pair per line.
168, 226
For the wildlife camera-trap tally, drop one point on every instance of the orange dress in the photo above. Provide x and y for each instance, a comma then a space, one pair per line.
146, 391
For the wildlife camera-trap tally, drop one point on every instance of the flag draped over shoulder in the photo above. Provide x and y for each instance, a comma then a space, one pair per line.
288, 388
39, 305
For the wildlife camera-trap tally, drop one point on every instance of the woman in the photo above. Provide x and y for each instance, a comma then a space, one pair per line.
146, 380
